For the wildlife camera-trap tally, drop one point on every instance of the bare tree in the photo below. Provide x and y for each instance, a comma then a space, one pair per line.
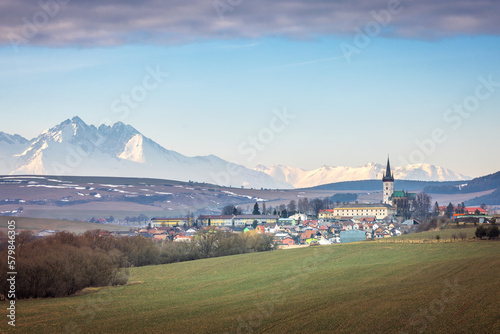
422, 206
316, 205
303, 205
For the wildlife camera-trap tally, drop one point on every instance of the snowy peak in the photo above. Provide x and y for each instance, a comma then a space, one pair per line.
12, 139
426, 172
134, 150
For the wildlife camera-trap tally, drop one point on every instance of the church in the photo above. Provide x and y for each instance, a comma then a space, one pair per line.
402, 200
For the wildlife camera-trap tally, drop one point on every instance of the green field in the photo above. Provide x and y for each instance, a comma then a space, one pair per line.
350, 288
445, 235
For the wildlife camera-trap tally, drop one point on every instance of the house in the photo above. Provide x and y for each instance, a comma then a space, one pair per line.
326, 214
410, 222
288, 241
311, 241
261, 229
286, 221
162, 222
183, 238
243, 220
475, 211
270, 228
299, 217
160, 237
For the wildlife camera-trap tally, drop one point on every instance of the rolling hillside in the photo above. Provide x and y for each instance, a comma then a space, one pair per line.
351, 288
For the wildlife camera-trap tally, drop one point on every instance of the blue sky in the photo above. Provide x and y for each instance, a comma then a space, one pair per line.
227, 78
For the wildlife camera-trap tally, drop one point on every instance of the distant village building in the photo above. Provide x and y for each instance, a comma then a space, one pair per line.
232, 220
215, 220
326, 214
379, 211
163, 222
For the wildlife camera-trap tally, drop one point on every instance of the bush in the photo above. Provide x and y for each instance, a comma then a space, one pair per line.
480, 232
492, 232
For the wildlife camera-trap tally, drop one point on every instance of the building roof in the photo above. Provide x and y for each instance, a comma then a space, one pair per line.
255, 217
403, 194
399, 193
215, 217
364, 205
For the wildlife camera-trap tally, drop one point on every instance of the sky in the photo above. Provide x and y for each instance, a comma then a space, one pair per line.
297, 83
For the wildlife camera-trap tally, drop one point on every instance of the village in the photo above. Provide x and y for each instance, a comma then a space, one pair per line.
346, 222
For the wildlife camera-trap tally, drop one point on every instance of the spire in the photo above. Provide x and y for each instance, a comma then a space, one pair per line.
388, 170
388, 175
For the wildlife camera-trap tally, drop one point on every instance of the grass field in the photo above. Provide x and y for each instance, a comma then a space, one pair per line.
38, 224
350, 288
445, 235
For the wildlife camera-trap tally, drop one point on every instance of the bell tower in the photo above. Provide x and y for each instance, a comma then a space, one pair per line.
388, 184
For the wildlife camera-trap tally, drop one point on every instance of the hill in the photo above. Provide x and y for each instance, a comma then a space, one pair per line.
374, 185
38, 224
483, 183
351, 288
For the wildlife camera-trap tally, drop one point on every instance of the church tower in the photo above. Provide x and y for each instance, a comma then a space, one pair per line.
388, 183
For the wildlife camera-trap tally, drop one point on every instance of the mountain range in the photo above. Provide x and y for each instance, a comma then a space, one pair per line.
301, 178
75, 148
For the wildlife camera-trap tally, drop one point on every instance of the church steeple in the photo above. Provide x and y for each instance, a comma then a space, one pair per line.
388, 184
388, 175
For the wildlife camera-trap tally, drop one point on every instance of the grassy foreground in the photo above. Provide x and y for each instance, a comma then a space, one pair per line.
350, 288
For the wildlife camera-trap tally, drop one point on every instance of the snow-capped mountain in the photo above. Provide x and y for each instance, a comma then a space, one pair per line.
75, 148
10, 145
301, 178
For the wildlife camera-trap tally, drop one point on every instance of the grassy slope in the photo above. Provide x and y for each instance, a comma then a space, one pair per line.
38, 224
351, 288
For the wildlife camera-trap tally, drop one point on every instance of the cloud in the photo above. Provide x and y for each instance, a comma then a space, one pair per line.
89, 23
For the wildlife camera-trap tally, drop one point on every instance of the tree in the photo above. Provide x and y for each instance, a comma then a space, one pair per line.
462, 235
435, 211
237, 211
483, 206
316, 205
449, 210
292, 207
264, 209
480, 232
256, 210
422, 206
255, 223
303, 205
231, 210
328, 203
492, 232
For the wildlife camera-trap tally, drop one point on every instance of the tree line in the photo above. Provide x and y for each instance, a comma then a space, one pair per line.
64, 263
